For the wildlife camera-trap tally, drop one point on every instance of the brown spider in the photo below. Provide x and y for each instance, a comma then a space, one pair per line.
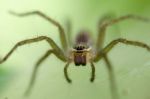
82, 52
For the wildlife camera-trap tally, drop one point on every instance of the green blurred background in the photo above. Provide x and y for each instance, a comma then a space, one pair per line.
131, 64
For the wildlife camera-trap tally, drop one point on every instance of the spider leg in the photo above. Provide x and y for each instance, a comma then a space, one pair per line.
127, 42
106, 18
104, 24
66, 73
33, 40
111, 78
34, 74
52, 21
69, 31
113, 86
104, 52
115, 42
92, 73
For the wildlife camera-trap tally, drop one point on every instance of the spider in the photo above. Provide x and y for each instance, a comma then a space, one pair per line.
82, 52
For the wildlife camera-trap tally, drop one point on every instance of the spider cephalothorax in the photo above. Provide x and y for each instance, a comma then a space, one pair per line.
81, 49
82, 52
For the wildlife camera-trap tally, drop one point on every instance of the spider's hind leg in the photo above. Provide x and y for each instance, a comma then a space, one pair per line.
113, 86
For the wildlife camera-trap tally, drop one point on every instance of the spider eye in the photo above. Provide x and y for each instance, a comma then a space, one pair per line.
80, 47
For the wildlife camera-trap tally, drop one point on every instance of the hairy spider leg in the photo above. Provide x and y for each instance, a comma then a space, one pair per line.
104, 24
52, 21
37, 65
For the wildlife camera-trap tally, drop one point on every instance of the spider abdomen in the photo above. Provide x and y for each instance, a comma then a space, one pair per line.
80, 59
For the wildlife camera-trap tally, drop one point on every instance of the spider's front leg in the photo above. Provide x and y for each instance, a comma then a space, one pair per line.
117, 41
108, 22
102, 29
124, 41
33, 40
49, 19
